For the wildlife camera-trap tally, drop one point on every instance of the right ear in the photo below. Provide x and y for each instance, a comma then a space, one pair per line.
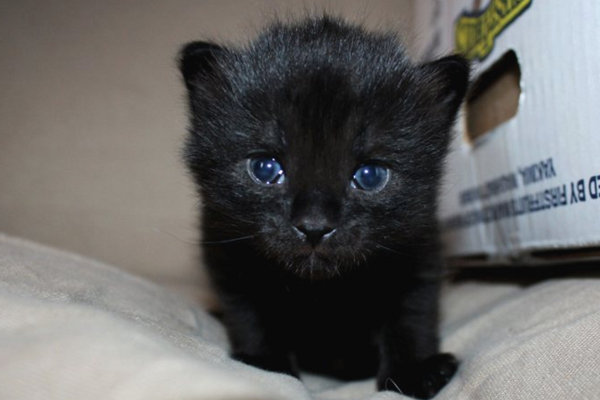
450, 76
198, 59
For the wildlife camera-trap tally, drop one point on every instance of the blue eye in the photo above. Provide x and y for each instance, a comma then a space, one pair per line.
370, 178
266, 170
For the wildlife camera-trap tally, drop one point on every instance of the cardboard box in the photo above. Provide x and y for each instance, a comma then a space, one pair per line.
523, 178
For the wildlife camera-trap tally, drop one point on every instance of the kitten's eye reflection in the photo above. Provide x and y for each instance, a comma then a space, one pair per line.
370, 178
265, 170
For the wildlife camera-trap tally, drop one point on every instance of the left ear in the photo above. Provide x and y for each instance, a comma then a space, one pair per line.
449, 80
199, 59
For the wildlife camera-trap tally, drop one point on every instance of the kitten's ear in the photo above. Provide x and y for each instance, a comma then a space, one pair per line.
450, 79
198, 59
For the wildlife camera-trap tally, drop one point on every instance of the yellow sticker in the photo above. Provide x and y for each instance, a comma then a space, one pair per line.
475, 32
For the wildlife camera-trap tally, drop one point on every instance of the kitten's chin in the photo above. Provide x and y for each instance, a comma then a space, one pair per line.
323, 262
314, 265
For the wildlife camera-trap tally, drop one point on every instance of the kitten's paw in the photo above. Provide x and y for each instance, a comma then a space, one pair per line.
436, 372
273, 363
423, 380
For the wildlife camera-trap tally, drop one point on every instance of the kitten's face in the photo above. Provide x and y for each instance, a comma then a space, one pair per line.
334, 177
319, 162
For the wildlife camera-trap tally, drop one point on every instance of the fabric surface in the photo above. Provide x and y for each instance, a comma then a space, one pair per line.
71, 328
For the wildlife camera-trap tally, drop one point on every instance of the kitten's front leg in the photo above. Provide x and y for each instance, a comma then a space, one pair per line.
410, 358
256, 339
252, 310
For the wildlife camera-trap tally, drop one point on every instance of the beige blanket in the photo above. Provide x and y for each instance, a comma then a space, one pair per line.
71, 328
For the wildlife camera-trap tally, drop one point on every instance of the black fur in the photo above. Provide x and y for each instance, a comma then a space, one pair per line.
322, 97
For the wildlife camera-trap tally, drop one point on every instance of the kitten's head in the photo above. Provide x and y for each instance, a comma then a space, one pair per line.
319, 142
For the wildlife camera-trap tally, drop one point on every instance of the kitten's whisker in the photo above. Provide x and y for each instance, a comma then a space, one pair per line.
164, 232
235, 219
210, 242
389, 249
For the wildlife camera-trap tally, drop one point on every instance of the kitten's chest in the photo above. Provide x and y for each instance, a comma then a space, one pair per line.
339, 303
326, 320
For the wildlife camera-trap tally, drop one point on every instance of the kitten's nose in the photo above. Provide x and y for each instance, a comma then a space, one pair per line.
314, 232
315, 214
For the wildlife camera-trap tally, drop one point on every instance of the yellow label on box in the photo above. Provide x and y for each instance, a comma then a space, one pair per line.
475, 32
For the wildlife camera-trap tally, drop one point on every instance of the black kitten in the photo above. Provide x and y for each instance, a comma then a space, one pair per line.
317, 150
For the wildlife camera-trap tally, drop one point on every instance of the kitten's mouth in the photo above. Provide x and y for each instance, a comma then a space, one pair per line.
314, 263
320, 261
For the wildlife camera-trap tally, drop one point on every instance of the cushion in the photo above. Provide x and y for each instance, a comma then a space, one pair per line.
71, 327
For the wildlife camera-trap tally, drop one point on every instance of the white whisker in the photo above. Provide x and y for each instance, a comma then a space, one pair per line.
389, 249
228, 240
